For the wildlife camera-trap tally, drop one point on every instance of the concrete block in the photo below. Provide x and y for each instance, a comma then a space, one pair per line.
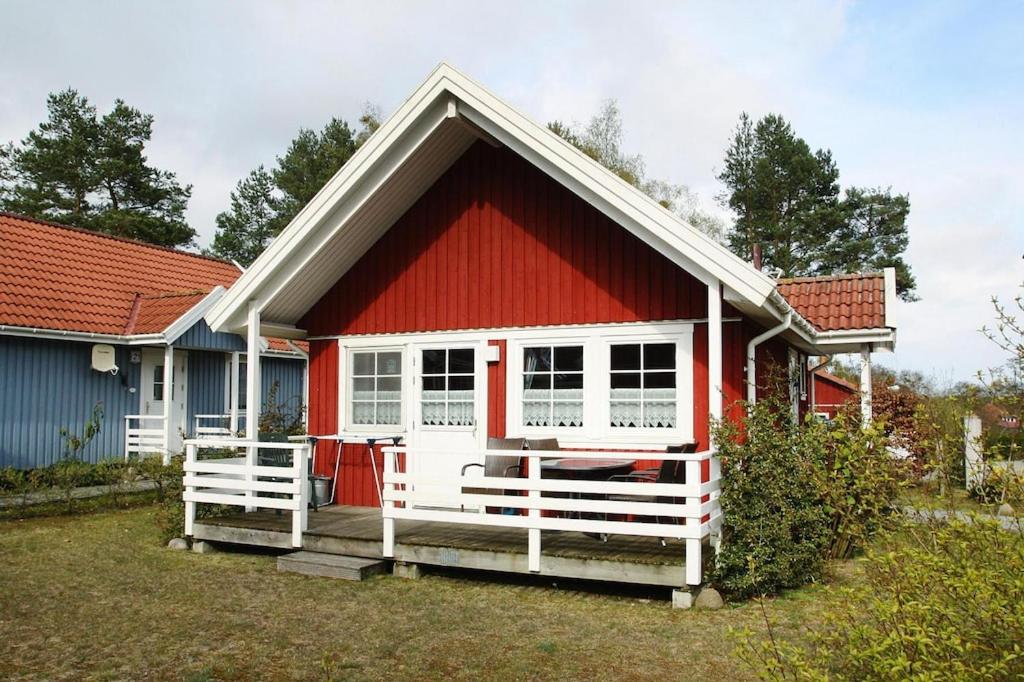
201, 547
407, 571
682, 599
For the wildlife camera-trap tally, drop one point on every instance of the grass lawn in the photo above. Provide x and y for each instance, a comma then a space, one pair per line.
956, 499
97, 597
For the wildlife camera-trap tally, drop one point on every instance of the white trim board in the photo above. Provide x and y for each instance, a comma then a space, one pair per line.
332, 214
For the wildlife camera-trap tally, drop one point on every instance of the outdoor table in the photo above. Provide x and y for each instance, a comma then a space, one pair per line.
582, 469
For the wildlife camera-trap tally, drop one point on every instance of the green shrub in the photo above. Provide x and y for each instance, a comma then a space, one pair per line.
775, 529
999, 483
862, 480
939, 603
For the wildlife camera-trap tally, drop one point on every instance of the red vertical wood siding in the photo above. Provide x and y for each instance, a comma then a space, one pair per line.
496, 380
831, 397
497, 243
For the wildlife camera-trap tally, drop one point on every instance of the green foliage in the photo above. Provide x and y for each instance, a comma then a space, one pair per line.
862, 480
264, 202
937, 603
1000, 482
794, 495
282, 416
89, 171
775, 530
786, 198
75, 443
601, 139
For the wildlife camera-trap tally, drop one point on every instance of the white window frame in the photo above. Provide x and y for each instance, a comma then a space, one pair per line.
633, 341
345, 378
595, 339
597, 342
417, 393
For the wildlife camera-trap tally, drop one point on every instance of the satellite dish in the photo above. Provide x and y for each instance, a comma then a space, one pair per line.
103, 358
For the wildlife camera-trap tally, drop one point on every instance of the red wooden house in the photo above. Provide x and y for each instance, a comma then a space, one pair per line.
467, 276
831, 394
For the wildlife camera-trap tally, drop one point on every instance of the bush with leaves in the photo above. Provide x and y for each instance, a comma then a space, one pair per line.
862, 480
775, 531
944, 602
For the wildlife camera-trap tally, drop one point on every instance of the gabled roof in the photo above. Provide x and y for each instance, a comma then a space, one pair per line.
438, 122
836, 302
838, 381
62, 278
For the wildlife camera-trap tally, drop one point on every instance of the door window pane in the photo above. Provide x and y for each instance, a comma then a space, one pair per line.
447, 397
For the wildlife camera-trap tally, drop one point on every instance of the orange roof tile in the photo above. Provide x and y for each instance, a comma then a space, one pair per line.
64, 278
838, 301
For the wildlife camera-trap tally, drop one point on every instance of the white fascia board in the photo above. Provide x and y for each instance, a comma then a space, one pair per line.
193, 315
299, 235
407, 129
890, 296
281, 331
85, 337
851, 340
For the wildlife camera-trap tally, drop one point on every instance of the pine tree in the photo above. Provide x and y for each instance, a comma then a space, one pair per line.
252, 222
92, 172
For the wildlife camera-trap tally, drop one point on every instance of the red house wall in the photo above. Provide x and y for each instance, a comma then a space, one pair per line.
497, 243
829, 397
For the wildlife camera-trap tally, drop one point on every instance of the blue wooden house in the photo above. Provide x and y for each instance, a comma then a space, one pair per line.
93, 323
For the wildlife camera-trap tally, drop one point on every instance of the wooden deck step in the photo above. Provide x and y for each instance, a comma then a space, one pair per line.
330, 565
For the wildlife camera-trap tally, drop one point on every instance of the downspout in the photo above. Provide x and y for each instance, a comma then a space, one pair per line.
752, 354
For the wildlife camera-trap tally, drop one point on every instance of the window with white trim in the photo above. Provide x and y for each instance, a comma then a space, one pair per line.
448, 377
375, 391
643, 385
552, 381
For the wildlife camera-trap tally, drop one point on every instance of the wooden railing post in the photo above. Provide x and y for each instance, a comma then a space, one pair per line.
300, 512
533, 551
389, 522
190, 507
693, 542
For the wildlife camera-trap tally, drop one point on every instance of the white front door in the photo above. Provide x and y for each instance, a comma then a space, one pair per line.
152, 398
449, 412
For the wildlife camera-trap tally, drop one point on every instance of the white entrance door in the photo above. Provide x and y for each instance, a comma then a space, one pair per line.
152, 398
449, 401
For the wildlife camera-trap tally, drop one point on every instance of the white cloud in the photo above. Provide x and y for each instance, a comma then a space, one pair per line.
881, 86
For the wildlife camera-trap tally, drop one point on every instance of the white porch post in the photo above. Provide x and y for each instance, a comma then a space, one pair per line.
233, 389
252, 388
865, 384
168, 399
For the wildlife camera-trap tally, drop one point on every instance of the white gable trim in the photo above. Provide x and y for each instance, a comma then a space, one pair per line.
192, 315
384, 154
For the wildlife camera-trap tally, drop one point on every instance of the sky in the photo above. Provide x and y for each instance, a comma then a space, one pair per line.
926, 98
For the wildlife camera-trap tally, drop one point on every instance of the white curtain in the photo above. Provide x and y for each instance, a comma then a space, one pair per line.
567, 409
659, 408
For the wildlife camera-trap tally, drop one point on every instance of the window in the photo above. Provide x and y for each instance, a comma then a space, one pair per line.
158, 382
376, 390
448, 377
643, 385
553, 386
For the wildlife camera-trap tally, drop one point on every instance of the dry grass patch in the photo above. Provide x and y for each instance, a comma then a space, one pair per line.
97, 597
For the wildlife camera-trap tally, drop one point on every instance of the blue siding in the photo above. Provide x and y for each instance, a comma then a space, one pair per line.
201, 336
49, 384
290, 376
206, 377
46, 385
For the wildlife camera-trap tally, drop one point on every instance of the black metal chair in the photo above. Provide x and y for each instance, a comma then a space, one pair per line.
498, 466
670, 471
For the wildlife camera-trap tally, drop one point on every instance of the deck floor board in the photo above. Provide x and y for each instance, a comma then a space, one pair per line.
364, 524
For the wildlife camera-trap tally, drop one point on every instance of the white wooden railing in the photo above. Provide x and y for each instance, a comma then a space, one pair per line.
577, 505
216, 425
143, 435
236, 478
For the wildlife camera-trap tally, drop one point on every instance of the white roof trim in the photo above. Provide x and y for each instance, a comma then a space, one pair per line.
405, 131
890, 296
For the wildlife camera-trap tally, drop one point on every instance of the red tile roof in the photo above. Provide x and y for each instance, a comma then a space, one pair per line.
838, 301
154, 313
64, 278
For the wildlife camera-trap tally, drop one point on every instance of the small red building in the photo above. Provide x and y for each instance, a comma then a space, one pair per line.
830, 394
469, 275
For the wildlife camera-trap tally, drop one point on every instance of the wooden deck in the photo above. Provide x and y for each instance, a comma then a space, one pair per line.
358, 531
